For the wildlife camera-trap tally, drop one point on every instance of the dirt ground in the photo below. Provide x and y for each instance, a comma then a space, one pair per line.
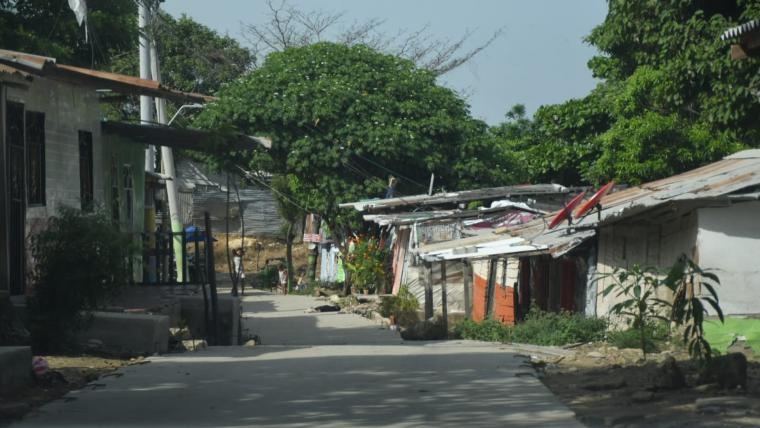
254, 260
66, 373
606, 386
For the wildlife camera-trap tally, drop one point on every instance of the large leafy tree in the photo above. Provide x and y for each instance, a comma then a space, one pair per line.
344, 118
670, 97
48, 27
193, 57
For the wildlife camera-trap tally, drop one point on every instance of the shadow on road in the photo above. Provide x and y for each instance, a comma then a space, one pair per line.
404, 385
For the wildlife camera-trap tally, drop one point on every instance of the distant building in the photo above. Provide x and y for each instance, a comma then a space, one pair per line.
202, 190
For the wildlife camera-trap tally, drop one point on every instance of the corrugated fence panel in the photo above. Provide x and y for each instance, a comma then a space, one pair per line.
258, 205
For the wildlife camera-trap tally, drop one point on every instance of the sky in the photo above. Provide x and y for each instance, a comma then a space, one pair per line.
540, 57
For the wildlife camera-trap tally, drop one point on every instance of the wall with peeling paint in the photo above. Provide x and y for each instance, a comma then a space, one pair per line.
729, 243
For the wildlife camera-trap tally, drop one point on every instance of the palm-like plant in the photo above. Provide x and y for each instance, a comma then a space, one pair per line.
692, 287
640, 305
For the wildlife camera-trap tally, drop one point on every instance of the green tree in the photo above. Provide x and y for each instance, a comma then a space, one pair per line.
341, 119
193, 57
670, 98
289, 210
48, 27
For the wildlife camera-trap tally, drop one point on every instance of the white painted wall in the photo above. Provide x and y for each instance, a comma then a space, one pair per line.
728, 242
68, 109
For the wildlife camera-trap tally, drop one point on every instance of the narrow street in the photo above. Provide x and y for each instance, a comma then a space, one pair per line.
317, 369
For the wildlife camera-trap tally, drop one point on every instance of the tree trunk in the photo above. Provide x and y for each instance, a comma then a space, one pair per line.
289, 255
312, 262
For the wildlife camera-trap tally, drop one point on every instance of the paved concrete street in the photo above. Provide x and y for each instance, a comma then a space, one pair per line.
317, 369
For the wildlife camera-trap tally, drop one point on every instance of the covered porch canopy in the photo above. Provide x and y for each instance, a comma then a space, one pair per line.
181, 138
29, 66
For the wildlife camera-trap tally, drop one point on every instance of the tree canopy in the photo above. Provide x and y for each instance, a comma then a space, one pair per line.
48, 27
670, 98
344, 118
193, 57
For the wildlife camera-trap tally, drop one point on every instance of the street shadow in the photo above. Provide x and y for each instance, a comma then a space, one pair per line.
351, 386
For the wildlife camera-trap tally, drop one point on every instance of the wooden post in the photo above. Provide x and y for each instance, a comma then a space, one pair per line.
467, 272
428, 290
492, 266
444, 298
211, 280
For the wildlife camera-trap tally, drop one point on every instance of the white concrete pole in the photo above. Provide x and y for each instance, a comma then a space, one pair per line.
146, 103
167, 166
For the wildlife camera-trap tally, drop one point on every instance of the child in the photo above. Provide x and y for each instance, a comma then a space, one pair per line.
283, 276
237, 263
301, 284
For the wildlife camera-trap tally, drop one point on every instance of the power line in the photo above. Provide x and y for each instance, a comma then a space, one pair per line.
391, 171
283, 196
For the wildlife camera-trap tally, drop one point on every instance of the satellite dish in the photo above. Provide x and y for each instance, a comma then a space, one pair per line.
565, 212
594, 201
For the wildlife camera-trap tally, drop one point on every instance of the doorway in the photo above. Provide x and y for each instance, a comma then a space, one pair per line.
15, 162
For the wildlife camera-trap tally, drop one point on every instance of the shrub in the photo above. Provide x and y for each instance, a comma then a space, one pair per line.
403, 307
639, 305
693, 291
488, 330
81, 260
538, 328
365, 261
654, 335
269, 277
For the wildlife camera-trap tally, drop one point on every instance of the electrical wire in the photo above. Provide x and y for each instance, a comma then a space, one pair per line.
391, 171
283, 196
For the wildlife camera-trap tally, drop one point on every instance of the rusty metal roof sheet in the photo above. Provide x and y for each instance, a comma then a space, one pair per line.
455, 197
47, 67
407, 218
719, 180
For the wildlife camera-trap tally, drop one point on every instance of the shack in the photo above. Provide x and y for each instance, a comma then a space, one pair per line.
708, 213
410, 222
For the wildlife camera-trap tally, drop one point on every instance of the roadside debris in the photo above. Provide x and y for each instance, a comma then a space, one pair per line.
607, 386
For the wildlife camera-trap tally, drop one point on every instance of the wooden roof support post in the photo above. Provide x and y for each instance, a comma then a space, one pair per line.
467, 271
428, 290
444, 298
492, 267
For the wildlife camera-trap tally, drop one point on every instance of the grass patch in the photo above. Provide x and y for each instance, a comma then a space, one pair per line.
538, 328
655, 335
720, 335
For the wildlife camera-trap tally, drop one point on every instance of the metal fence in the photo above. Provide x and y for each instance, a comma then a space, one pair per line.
162, 265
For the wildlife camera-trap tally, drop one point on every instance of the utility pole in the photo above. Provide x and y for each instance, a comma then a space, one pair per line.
146, 118
167, 166
146, 104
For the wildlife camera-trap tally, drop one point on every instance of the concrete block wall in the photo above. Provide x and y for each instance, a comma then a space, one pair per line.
625, 244
121, 333
192, 313
15, 367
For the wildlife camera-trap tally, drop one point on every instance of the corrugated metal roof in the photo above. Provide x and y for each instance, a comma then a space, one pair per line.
718, 180
740, 30
444, 215
48, 67
454, 197
4, 69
